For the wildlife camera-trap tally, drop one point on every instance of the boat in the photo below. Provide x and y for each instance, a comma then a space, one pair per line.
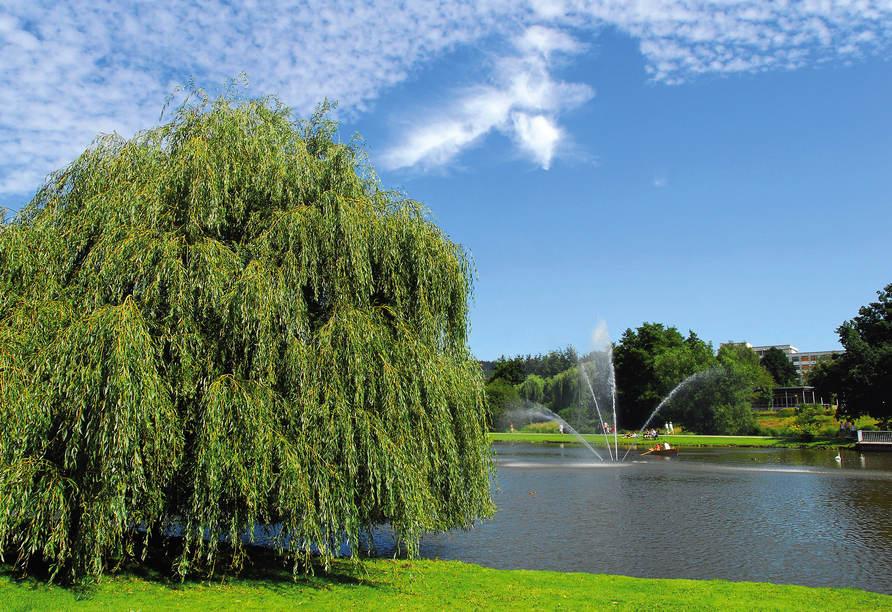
663, 451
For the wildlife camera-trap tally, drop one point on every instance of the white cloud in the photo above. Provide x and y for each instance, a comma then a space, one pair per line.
72, 69
523, 104
538, 135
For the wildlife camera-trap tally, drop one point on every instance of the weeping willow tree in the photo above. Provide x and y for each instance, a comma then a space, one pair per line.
224, 326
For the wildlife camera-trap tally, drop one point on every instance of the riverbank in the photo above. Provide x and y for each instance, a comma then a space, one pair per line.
682, 441
426, 585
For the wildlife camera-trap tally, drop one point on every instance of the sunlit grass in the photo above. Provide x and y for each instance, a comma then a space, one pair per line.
691, 441
426, 585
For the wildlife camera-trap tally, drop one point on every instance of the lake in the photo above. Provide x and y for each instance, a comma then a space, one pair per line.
785, 516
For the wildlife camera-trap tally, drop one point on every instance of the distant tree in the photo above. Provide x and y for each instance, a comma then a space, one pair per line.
714, 402
509, 370
780, 367
826, 376
563, 389
533, 389
501, 396
741, 357
718, 401
650, 362
862, 376
680, 362
224, 323
552, 364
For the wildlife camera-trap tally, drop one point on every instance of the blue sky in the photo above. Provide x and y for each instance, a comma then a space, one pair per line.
723, 167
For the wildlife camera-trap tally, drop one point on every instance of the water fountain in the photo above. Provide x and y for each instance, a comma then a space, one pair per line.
600, 338
598, 410
673, 393
543, 414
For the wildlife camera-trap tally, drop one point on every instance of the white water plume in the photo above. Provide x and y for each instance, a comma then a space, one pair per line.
537, 413
690, 379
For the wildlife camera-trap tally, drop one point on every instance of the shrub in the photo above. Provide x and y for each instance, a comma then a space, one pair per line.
551, 427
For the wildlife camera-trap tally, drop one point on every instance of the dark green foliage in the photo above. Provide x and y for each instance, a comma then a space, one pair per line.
222, 323
650, 362
861, 377
508, 370
552, 364
780, 367
547, 380
714, 402
533, 389
744, 359
718, 401
517, 368
500, 397
563, 390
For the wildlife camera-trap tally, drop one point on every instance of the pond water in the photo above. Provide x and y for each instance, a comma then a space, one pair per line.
775, 515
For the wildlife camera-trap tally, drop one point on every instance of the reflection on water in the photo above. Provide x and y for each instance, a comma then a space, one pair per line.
780, 515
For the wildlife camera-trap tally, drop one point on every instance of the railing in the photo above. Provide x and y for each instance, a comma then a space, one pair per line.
875, 437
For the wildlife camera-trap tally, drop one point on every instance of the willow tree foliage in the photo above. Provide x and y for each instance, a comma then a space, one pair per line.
224, 326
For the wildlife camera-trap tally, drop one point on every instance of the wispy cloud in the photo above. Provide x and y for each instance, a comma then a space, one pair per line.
522, 103
72, 69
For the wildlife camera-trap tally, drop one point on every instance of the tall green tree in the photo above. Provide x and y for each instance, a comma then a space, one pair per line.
225, 322
501, 396
780, 367
510, 370
861, 377
650, 361
552, 364
533, 389
757, 379
714, 402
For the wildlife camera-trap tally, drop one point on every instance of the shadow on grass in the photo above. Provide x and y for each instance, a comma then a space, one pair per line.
261, 566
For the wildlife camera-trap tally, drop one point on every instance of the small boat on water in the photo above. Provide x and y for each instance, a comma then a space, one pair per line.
662, 450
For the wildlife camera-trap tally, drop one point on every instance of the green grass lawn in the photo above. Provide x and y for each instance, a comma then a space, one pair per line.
425, 585
681, 441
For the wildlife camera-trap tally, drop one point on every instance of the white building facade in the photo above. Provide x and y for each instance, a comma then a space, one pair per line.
803, 361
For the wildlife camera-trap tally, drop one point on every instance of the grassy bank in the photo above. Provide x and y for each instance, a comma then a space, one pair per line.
690, 441
426, 585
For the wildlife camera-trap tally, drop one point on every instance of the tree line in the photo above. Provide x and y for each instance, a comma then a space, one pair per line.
649, 363
712, 392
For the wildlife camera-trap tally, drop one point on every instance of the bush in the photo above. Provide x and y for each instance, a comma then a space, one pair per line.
810, 423
828, 431
551, 427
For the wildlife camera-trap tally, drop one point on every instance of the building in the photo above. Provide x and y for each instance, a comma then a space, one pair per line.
788, 397
803, 361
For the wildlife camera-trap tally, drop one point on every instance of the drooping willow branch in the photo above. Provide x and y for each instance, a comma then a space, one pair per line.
224, 323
